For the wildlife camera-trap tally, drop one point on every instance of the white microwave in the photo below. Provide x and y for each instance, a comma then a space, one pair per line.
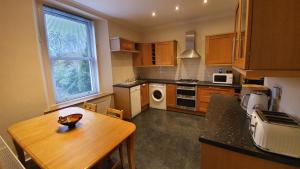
223, 78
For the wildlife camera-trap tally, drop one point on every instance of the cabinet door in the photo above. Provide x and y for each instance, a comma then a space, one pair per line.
126, 44
171, 95
143, 58
147, 54
243, 35
137, 58
237, 31
219, 49
166, 53
144, 94
275, 35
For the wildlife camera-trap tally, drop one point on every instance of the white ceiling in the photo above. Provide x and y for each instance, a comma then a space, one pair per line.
138, 12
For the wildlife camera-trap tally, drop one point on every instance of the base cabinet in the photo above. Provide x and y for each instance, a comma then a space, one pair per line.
204, 94
144, 95
212, 157
171, 95
122, 101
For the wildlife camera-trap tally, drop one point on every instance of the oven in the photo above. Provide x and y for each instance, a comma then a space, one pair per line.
186, 96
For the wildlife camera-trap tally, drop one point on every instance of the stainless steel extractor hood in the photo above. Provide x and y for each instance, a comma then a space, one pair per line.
189, 52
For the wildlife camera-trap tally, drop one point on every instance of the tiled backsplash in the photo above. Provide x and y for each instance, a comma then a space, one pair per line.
186, 69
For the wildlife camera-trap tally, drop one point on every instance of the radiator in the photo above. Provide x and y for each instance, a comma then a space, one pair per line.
8, 160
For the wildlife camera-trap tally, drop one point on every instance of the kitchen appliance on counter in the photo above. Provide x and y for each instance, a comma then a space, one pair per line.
255, 100
276, 132
186, 96
223, 78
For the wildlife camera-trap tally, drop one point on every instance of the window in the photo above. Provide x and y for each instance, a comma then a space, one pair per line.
70, 42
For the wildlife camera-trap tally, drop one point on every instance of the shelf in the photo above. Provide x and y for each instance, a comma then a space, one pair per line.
217, 65
257, 74
148, 66
125, 51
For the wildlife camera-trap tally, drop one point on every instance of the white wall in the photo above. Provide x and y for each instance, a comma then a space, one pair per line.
21, 82
122, 62
22, 87
290, 100
194, 68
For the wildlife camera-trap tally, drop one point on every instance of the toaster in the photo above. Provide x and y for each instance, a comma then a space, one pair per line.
275, 132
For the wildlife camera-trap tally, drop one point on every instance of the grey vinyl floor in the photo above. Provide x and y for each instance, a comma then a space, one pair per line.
166, 140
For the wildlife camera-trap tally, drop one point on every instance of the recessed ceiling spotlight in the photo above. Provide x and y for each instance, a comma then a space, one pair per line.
205, 1
153, 14
177, 8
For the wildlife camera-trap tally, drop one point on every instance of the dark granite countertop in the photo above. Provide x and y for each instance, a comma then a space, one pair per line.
130, 85
166, 81
226, 126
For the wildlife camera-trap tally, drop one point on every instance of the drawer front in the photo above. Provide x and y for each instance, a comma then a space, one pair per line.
204, 94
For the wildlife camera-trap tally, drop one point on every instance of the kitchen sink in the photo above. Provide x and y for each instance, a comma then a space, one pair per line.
129, 83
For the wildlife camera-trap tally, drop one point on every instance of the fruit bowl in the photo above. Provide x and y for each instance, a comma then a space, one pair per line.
69, 120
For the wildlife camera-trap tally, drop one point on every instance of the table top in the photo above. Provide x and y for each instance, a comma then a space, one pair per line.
52, 145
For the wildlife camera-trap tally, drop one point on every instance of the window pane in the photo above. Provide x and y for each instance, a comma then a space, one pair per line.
73, 63
71, 78
66, 37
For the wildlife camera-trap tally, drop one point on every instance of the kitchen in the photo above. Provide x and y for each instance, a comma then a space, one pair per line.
186, 111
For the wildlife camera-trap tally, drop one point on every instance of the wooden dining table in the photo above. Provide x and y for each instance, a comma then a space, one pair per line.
55, 146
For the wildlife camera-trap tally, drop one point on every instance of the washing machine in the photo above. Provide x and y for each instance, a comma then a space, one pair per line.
157, 94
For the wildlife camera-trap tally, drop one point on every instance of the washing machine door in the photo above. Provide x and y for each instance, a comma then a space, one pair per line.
157, 95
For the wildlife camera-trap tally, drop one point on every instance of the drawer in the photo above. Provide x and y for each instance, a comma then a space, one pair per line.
204, 91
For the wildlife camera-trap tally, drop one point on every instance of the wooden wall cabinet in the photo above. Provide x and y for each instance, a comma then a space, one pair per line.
267, 38
144, 95
218, 49
118, 44
156, 54
144, 57
204, 94
171, 95
166, 53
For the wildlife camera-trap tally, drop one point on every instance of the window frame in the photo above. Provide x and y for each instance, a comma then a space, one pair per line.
92, 57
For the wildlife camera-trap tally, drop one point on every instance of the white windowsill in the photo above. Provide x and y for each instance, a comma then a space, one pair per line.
77, 101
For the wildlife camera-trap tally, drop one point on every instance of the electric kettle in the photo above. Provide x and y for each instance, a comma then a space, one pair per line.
252, 101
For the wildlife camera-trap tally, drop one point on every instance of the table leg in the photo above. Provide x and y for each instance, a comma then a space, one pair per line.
121, 155
20, 153
131, 151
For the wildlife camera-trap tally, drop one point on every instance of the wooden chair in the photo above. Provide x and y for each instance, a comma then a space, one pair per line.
117, 114
90, 106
